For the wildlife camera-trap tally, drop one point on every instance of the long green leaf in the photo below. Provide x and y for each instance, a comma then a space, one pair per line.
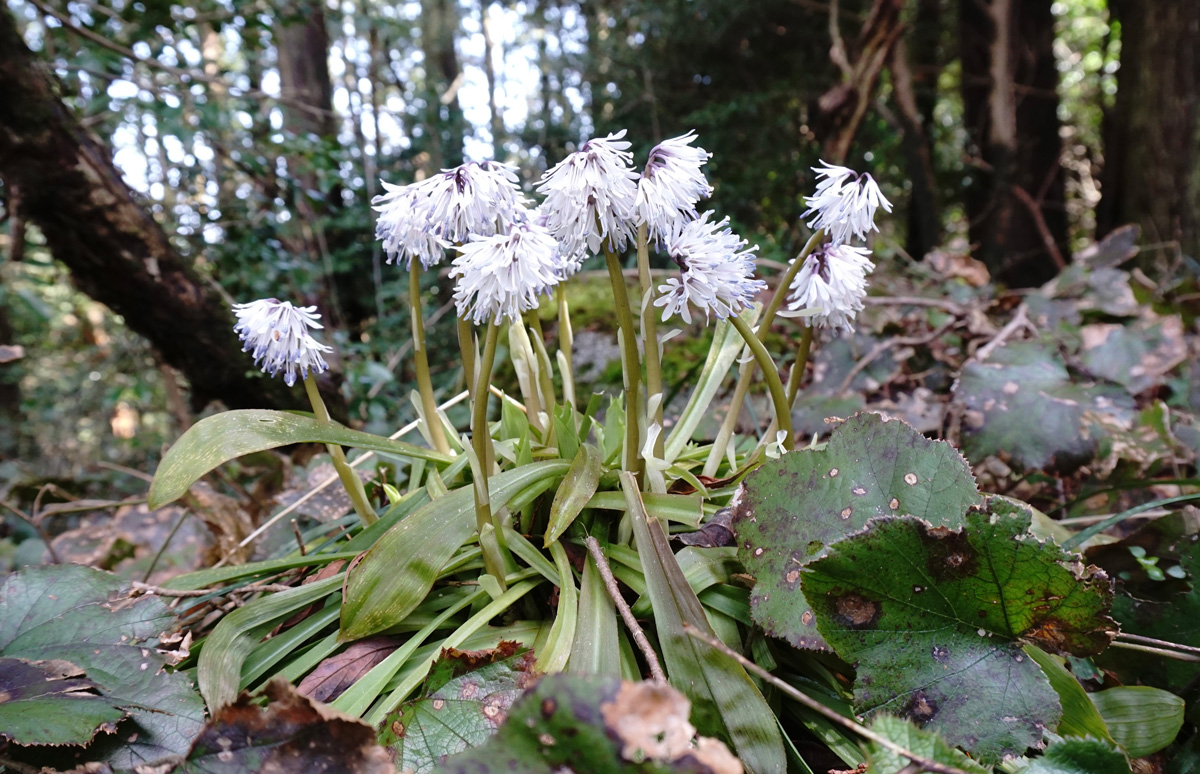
225, 650
597, 649
220, 438
1141, 719
1080, 716
573, 493
399, 570
721, 353
553, 658
725, 701
684, 509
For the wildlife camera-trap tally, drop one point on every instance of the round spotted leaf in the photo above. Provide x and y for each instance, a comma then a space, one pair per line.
934, 618
790, 509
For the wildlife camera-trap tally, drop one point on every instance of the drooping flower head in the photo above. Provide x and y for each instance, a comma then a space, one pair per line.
502, 275
845, 203
717, 271
421, 220
590, 197
671, 185
277, 334
832, 280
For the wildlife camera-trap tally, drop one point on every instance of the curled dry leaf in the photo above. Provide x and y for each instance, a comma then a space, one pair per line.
291, 733
337, 673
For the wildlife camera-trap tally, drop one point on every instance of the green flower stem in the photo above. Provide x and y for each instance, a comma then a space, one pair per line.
566, 343
771, 375
747, 369
480, 436
654, 385
797, 374
631, 367
467, 350
349, 479
437, 435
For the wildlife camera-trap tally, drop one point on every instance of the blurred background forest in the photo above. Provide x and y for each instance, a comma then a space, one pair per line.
159, 161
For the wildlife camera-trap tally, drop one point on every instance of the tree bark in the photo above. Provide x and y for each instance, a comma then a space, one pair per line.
1016, 199
843, 107
916, 62
116, 252
1151, 172
444, 119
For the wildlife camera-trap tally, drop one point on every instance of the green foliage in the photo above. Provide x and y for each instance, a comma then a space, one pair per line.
1080, 756
465, 699
1143, 720
923, 742
933, 618
792, 509
615, 727
78, 623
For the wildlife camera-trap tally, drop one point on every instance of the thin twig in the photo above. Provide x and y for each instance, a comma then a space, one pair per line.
610, 583
126, 470
161, 591
939, 303
299, 538
37, 527
816, 706
1171, 654
166, 542
1020, 319
892, 343
459, 398
1039, 222
1151, 641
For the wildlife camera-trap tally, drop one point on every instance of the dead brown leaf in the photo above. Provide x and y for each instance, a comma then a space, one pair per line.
337, 673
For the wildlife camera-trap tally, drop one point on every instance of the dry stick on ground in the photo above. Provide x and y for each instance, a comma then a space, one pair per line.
923, 763
161, 591
1151, 641
610, 583
892, 343
1020, 319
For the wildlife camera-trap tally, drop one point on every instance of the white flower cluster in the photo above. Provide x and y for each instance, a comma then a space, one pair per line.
277, 334
423, 219
832, 280
594, 201
717, 272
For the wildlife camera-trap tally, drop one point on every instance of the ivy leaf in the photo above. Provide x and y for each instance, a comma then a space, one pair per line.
790, 509
84, 616
51, 703
1021, 403
1080, 756
881, 760
934, 619
466, 697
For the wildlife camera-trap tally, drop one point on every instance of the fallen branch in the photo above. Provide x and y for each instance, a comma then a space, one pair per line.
610, 583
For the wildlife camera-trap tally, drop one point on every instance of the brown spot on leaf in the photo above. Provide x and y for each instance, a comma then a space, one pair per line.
857, 612
846, 512
806, 618
950, 555
894, 504
858, 490
398, 729
921, 708
941, 653
549, 707
833, 473
910, 479
791, 578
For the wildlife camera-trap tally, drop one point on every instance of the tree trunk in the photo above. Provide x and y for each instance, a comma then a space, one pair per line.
116, 252
443, 114
1016, 200
916, 62
843, 107
1151, 170
489, 71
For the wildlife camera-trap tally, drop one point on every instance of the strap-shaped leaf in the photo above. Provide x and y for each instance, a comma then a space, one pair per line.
220, 438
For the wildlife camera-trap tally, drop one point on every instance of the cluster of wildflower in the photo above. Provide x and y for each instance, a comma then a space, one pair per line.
832, 280
510, 254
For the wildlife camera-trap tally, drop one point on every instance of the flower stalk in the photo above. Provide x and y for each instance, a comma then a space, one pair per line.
782, 411
350, 480
631, 367
650, 354
437, 435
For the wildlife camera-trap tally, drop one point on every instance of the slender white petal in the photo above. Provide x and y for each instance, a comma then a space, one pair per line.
845, 203
832, 281
590, 197
671, 184
717, 273
421, 220
277, 334
502, 275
